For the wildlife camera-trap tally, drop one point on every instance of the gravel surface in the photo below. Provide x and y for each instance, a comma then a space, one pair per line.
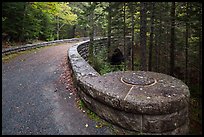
38, 96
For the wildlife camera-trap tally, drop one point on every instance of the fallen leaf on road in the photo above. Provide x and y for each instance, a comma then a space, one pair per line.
98, 126
23, 60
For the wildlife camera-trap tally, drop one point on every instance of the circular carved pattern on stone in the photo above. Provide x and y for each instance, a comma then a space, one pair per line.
137, 79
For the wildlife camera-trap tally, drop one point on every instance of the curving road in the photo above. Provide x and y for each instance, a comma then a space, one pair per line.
37, 100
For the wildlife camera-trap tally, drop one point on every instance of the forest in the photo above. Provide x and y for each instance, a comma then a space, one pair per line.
164, 37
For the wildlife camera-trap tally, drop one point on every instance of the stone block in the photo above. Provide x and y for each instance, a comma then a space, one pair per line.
164, 123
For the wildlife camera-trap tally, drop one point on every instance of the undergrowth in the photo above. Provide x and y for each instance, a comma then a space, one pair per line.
102, 65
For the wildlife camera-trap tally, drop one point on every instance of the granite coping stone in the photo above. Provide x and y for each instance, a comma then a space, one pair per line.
164, 97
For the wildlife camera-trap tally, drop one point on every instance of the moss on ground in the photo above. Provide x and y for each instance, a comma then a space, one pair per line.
101, 123
7, 58
195, 115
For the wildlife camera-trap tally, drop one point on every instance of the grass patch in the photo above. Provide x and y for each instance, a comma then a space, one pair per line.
7, 58
101, 123
93, 116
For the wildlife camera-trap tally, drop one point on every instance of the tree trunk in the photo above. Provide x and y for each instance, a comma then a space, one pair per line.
200, 58
186, 48
143, 30
151, 38
91, 34
167, 43
167, 50
22, 36
85, 32
124, 31
172, 46
57, 28
158, 42
156, 52
200, 54
73, 31
109, 29
132, 44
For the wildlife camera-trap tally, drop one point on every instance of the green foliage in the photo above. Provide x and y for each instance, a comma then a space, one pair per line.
27, 21
59, 12
12, 21
101, 64
136, 63
31, 29
93, 116
80, 104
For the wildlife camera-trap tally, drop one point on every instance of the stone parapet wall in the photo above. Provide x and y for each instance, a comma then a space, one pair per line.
32, 46
146, 102
83, 49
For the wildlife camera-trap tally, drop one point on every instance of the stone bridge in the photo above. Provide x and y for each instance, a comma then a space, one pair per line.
146, 102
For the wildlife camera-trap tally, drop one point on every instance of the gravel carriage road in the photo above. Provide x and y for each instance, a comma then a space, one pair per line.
38, 96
